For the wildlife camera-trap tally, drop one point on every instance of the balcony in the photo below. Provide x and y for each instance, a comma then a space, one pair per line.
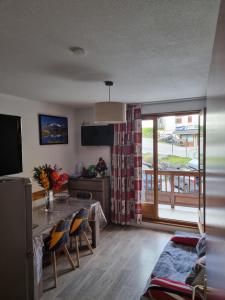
178, 193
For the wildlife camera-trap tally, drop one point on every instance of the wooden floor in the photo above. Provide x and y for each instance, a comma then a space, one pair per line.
118, 269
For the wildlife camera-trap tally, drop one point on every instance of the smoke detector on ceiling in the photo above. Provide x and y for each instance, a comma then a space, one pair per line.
78, 51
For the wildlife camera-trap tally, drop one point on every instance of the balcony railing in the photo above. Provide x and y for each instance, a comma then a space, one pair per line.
174, 187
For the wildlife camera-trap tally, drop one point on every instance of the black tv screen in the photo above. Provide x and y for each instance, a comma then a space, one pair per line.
10, 145
97, 135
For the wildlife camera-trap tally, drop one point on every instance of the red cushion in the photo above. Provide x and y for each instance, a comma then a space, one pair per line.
185, 240
163, 288
172, 284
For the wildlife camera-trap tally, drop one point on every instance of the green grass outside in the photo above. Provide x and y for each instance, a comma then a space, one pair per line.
173, 159
148, 158
147, 132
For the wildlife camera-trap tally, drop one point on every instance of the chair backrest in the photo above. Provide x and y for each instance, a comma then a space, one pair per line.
58, 236
79, 222
84, 195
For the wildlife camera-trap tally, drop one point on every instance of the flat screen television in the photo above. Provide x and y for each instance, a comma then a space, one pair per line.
101, 135
10, 145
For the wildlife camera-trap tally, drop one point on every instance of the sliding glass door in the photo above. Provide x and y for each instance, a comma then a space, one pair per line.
202, 140
178, 175
171, 175
149, 206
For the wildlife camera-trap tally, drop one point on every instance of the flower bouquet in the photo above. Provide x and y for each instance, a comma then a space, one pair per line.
51, 179
101, 167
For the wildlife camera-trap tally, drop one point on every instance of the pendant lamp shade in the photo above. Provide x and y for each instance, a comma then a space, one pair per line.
110, 112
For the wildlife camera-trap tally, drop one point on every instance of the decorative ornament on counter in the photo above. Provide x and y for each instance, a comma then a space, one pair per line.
89, 172
92, 170
101, 167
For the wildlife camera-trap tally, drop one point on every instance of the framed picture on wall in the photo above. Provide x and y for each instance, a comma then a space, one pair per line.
53, 130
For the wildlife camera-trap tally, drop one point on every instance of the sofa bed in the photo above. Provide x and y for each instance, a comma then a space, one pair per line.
180, 267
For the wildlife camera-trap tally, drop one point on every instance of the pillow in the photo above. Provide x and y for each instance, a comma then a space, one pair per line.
202, 261
185, 240
197, 274
201, 246
200, 277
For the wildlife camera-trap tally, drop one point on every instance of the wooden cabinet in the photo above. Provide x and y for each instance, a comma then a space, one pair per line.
99, 187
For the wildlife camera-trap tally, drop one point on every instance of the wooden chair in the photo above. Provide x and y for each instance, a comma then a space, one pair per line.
78, 227
88, 196
55, 241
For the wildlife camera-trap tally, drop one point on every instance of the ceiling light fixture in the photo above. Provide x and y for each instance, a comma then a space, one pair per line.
110, 112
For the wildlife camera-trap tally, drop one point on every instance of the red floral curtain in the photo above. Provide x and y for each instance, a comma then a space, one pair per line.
127, 169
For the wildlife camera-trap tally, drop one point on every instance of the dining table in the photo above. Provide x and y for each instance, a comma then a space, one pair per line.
64, 208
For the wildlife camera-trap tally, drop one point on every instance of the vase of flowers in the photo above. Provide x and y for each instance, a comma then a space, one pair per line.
47, 201
51, 179
101, 167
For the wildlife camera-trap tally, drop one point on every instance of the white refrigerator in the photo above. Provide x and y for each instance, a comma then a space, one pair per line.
16, 249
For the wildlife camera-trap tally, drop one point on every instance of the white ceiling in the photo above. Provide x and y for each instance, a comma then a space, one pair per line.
153, 50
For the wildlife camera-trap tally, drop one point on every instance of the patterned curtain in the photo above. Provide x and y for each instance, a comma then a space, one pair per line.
127, 169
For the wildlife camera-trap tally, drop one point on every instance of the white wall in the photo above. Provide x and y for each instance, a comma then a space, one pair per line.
89, 155
35, 154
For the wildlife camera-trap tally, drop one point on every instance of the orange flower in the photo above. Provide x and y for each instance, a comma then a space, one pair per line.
55, 176
49, 178
44, 179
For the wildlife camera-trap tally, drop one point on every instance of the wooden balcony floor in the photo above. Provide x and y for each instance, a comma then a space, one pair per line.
181, 213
